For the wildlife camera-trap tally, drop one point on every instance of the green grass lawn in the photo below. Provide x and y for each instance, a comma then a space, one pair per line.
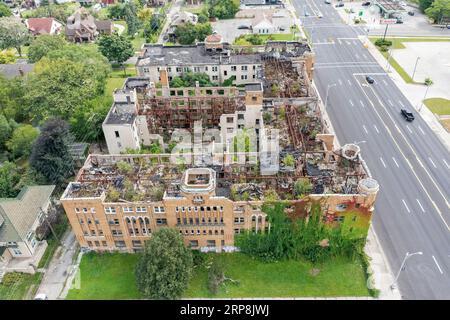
397, 43
106, 276
111, 276
18, 289
439, 106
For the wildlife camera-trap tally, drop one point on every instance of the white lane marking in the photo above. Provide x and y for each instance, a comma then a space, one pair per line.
385, 83
365, 129
390, 102
437, 264
409, 129
384, 164
351, 102
431, 160
404, 203
395, 162
362, 103
348, 42
376, 129
339, 40
421, 130
401, 103
356, 56
420, 205
365, 57
349, 82
446, 163
340, 81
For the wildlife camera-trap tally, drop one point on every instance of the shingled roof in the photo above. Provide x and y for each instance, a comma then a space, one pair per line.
20, 213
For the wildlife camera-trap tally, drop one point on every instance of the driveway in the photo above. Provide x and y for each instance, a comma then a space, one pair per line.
57, 272
228, 28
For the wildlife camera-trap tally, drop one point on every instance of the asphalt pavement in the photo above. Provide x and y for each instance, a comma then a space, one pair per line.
411, 164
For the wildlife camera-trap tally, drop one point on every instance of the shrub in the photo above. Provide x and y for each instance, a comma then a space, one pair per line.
384, 48
380, 42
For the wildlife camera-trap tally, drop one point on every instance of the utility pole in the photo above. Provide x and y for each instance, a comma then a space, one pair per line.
385, 31
49, 225
415, 66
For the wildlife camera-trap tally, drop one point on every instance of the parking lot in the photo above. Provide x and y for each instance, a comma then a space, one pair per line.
416, 25
228, 29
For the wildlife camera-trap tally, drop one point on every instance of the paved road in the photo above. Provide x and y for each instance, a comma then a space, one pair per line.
57, 272
411, 164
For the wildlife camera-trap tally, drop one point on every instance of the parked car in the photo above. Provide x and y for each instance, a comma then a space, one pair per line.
243, 27
327, 1
411, 13
399, 21
41, 296
306, 14
319, 15
340, 4
408, 115
365, 4
370, 80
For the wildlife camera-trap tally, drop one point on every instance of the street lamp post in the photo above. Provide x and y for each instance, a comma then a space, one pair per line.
417, 60
326, 97
407, 256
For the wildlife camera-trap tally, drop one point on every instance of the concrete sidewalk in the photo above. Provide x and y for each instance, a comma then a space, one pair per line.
57, 271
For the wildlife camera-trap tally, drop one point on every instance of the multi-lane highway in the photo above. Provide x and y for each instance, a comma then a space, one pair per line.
409, 161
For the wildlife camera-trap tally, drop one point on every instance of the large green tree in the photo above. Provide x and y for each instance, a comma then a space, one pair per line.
187, 33
165, 267
438, 10
64, 80
50, 156
223, 9
43, 44
5, 130
116, 48
131, 19
9, 178
22, 140
13, 34
424, 4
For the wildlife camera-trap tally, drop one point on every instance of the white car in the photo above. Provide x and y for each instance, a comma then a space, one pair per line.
41, 296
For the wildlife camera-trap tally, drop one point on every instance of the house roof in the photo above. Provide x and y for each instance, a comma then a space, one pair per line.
20, 213
215, 37
103, 24
40, 25
262, 21
14, 70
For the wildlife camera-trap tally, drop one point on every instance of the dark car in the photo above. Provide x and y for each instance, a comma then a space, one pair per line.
340, 4
408, 115
399, 21
365, 4
370, 80
243, 27
411, 13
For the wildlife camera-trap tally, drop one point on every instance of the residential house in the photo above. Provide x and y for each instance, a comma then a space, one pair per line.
157, 3
180, 18
272, 22
83, 27
39, 26
19, 219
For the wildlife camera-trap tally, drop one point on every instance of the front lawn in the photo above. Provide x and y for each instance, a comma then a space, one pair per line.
439, 106
111, 276
15, 285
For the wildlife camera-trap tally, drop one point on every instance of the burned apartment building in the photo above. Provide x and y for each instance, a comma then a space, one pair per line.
224, 153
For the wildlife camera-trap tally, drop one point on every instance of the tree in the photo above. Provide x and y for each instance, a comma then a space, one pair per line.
424, 4
64, 80
438, 10
5, 130
289, 160
11, 98
223, 9
144, 14
7, 57
43, 44
4, 10
50, 155
116, 11
131, 19
13, 34
165, 267
9, 178
22, 140
116, 48
187, 33
302, 186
